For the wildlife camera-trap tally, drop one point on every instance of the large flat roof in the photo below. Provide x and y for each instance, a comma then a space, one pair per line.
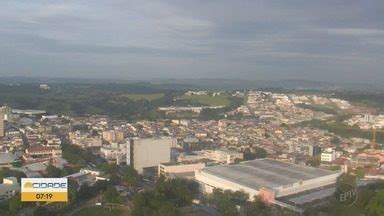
28, 111
267, 173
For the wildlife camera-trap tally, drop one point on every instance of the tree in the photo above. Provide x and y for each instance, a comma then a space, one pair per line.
53, 172
260, 152
376, 206
313, 161
40, 211
15, 205
226, 201
85, 192
129, 176
165, 198
310, 212
288, 212
257, 153
346, 179
109, 168
335, 140
248, 155
111, 195
257, 208
73, 186
114, 179
167, 209
360, 173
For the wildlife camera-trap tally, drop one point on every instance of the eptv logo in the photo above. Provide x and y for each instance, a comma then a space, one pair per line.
44, 189
346, 194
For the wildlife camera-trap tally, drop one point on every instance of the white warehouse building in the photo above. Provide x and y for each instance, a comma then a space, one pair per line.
266, 178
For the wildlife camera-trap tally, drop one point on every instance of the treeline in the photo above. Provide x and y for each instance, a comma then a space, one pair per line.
317, 108
375, 99
166, 199
216, 114
87, 99
343, 130
101, 99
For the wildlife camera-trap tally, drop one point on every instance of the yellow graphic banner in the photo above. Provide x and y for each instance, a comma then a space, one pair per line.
44, 197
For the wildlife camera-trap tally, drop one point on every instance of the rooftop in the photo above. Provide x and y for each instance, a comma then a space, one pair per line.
28, 111
7, 158
38, 148
266, 173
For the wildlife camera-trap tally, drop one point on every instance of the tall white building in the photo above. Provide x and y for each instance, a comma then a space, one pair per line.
149, 152
2, 131
328, 155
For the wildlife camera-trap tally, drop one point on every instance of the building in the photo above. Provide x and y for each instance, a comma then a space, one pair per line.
29, 112
5, 111
114, 152
328, 156
369, 118
305, 149
148, 152
84, 140
2, 128
44, 87
113, 135
174, 170
9, 188
267, 178
42, 152
224, 156
87, 176
7, 159
364, 160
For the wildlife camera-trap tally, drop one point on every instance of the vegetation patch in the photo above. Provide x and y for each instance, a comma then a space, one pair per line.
148, 97
207, 100
102, 211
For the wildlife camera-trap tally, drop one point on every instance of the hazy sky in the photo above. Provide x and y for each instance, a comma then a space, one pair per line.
257, 39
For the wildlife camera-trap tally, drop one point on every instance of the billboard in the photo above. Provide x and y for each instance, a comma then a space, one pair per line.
44, 190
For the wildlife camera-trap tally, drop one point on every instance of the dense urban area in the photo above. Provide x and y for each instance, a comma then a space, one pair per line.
141, 150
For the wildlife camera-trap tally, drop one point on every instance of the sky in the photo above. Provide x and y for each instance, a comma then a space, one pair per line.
325, 40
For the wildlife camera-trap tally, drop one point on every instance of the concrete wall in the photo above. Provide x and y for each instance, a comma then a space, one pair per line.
179, 168
209, 182
307, 185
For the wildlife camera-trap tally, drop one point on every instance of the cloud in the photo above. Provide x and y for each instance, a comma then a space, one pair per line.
170, 38
354, 31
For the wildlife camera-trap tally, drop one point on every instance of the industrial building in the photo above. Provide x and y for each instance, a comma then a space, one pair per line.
267, 178
149, 152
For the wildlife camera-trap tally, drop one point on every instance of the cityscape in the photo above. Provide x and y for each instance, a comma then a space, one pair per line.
191, 108
285, 150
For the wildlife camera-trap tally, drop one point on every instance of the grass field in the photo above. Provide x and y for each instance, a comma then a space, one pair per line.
207, 100
148, 97
101, 211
